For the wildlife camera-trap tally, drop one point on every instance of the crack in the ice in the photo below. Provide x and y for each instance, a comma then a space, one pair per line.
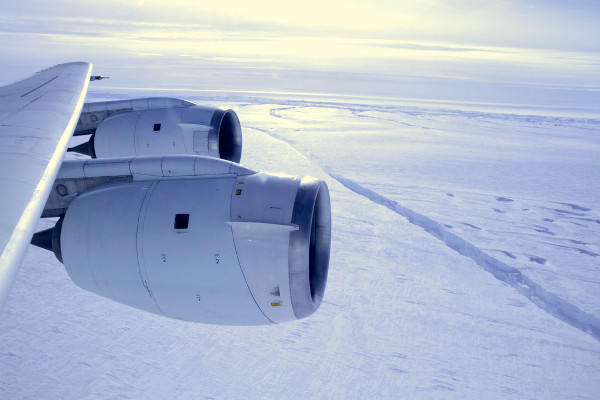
547, 301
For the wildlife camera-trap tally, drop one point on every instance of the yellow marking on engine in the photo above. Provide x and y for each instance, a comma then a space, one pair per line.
275, 304
238, 192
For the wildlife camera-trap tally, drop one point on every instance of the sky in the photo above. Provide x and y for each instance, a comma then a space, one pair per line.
514, 23
523, 52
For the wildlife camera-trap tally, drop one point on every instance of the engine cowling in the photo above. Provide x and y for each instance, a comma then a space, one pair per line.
159, 126
229, 246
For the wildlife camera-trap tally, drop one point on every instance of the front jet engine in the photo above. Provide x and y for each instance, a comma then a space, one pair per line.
193, 238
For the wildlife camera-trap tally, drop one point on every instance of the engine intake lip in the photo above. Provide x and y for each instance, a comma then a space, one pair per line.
309, 246
226, 135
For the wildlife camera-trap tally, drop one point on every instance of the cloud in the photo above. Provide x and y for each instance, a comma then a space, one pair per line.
549, 24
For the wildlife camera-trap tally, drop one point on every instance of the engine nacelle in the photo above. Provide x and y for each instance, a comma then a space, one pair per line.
214, 243
159, 126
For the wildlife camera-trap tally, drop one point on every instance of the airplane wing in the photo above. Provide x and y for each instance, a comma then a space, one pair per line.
37, 118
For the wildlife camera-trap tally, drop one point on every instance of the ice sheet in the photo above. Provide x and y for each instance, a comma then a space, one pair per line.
404, 315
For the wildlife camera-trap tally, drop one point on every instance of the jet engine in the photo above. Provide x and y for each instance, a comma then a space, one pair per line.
193, 238
158, 126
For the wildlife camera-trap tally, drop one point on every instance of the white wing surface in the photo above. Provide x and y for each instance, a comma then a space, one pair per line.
37, 118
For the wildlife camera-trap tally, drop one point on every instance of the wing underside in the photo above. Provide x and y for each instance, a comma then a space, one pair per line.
37, 118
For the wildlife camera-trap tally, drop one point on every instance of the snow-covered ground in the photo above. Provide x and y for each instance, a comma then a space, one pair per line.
465, 264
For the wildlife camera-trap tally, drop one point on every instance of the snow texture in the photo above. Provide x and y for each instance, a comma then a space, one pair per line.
464, 265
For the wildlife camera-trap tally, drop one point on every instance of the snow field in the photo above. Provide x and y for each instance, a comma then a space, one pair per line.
404, 315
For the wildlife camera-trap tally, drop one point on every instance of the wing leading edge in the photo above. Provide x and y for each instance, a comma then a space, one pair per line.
37, 118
